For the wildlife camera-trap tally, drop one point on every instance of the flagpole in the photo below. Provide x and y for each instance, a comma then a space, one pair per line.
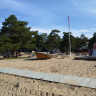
69, 35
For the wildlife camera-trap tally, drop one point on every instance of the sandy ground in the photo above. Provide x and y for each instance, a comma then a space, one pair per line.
66, 66
19, 86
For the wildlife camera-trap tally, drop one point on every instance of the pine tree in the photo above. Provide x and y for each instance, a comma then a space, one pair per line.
14, 35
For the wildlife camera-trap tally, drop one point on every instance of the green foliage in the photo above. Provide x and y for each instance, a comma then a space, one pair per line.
92, 41
65, 42
14, 34
39, 42
5, 43
84, 40
44, 36
53, 40
31, 45
81, 42
78, 44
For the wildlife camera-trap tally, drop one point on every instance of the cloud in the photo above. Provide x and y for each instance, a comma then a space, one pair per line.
88, 32
41, 30
0, 25
48, 30
1, 19
48, 15
27, 8
84, 30
17, 6
10, 4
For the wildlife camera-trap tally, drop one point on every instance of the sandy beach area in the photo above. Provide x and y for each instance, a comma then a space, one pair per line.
20, 86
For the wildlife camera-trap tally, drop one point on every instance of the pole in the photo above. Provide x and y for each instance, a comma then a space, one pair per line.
69, 35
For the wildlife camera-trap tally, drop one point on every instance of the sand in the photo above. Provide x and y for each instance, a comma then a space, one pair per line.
66, 66
20, 86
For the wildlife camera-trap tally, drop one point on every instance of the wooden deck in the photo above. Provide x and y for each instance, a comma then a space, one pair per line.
67, 79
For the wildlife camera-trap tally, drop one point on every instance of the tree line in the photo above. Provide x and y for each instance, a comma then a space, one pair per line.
16, 36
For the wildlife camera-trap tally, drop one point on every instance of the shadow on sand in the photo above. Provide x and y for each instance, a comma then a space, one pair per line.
85, 58
33, 59
1, 58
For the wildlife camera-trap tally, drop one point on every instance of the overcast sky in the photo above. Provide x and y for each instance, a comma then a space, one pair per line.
45, 15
